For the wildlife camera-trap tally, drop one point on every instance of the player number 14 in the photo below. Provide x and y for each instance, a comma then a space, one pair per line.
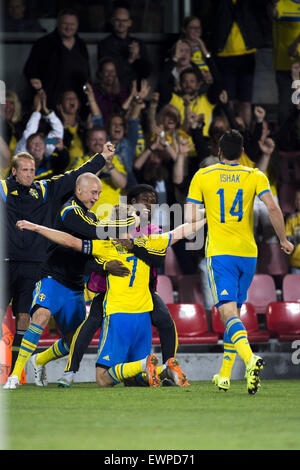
236, 208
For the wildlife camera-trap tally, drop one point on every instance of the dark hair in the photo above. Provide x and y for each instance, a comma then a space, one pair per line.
33, 136
134, 192
121, 4
67, 11
111, 117
90, 131
231, 144
102, 62
194, 70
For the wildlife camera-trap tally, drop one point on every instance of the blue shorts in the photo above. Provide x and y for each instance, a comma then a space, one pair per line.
66, 306
125, 337
230, 278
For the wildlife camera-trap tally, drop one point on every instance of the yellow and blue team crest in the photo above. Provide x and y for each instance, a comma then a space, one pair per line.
42, 297
34, 193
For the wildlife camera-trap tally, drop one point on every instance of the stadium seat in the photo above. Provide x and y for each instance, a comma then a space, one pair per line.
189, 289
261, 292
272, 260
291, 288
249, 319
283, 320
286, 195
165, 288
191, 324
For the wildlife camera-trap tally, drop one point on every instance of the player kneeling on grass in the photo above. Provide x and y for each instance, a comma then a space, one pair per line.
126, 333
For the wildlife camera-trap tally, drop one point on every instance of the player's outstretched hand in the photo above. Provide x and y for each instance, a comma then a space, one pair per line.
117, 268
25, 225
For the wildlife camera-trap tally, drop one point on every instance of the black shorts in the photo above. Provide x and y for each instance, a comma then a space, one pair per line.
19, 284
238, 76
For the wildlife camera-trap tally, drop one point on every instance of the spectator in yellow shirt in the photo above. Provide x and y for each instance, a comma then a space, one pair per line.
292, 228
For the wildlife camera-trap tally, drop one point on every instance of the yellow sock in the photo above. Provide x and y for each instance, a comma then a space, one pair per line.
239, 338
125, 370
244, 350
59, 349
27, 348
228, 360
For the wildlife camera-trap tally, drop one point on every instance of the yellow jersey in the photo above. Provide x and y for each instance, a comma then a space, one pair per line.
228, 192
235, 44
197, 59
199, 105
286, 28
129, 294
76, 149
292, 229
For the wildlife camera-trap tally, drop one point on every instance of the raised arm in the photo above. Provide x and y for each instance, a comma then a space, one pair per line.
55, 236
185, 230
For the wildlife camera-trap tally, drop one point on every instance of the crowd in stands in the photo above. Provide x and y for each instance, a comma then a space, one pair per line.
162, 133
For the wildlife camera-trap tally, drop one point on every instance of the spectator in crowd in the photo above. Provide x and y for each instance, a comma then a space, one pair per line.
252, 134
131, 54
11, 119
107, 90
236, 37
50, 165
113, 175
167, 120
42, 118
180, 60
68, 109
192, 100
124, 133
59, 61
191, 30
292, 227
16, 18
286, 50
288, 138
5, 158
164, 168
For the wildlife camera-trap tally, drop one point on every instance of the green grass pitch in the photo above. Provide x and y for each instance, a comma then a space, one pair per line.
198, 418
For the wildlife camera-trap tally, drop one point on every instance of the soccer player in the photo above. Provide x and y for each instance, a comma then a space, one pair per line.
227, 190
126, 334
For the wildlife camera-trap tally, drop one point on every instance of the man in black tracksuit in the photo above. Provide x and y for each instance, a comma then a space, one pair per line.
24, 252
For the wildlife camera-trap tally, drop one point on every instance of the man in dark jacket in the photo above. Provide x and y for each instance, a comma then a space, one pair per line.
24, 253
130, 53
59, 61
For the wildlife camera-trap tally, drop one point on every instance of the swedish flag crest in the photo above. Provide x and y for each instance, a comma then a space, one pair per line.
34, 193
